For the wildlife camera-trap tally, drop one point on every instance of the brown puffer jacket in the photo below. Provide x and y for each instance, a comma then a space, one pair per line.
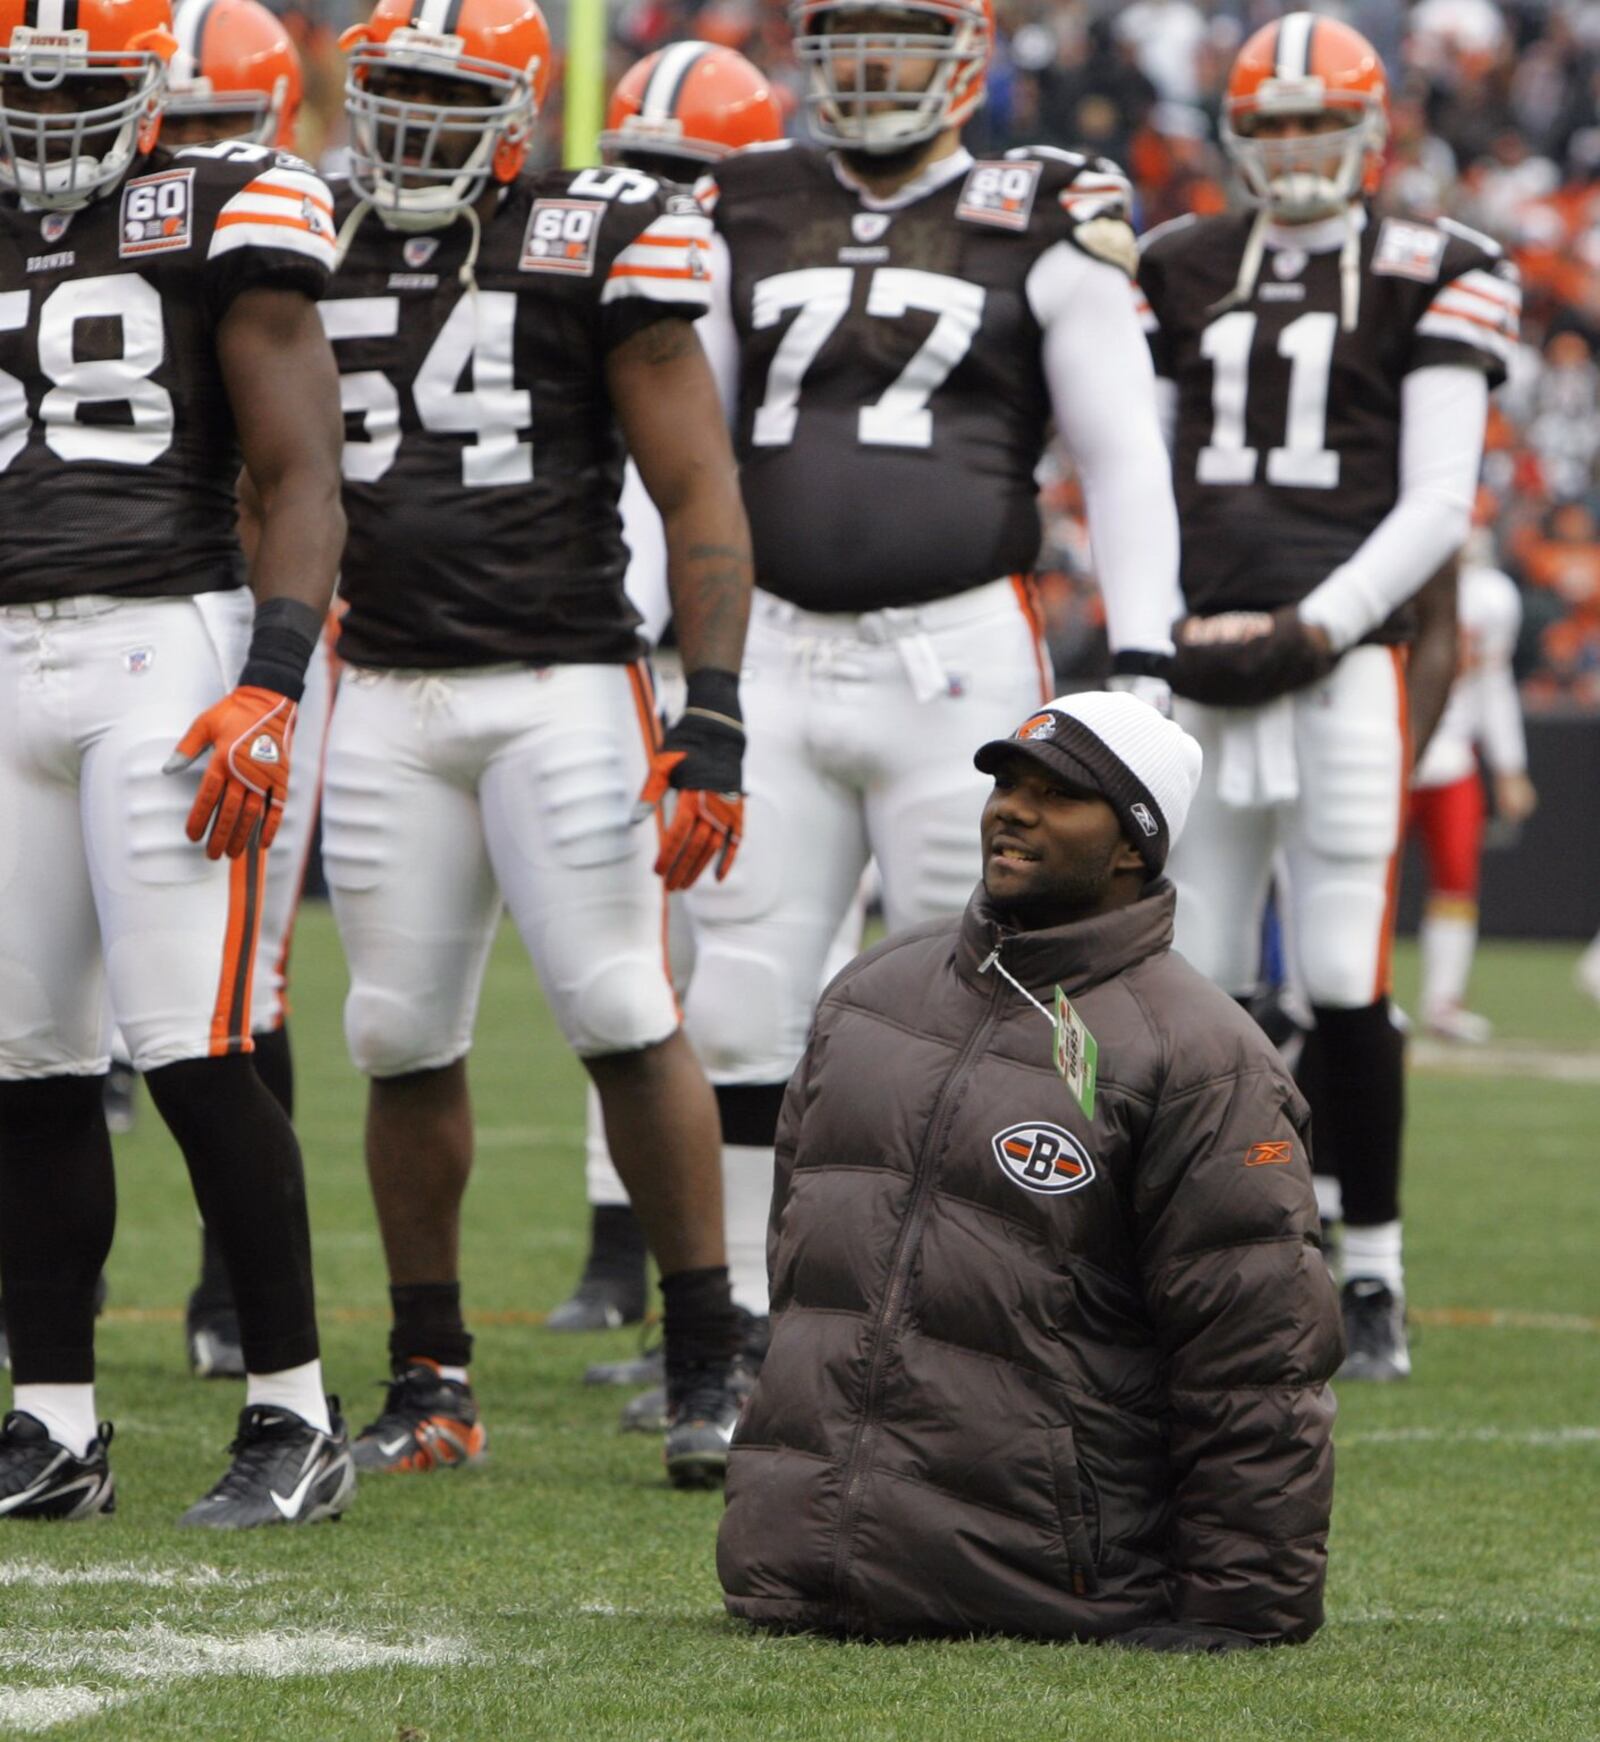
1072, 1412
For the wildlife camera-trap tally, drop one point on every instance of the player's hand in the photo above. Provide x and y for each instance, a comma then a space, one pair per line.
249, 733
700, 760
1515, 799
1240, 659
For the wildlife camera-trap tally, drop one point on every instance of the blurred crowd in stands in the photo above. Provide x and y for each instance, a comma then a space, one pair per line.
1495, 121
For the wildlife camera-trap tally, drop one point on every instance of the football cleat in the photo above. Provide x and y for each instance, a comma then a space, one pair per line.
700, 1424
648, 1367
648, 1413
284, 1471
1374, 1331
600, 1303
40, 1478
1449, 1022
211, 1334
427, 1423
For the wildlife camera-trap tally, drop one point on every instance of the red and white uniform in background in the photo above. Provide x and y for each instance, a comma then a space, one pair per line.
1482, 717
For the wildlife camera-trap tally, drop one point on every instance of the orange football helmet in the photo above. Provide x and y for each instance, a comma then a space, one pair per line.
60, 161
237, 64
691, 103
395, 157
1301, 67
847, 109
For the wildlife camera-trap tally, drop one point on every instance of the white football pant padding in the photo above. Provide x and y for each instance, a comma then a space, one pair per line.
297, 1389
1339, 838
1448, 942
844, 760
1330, 1197
107, 910
291, 847
747, 1175
601, 1180
445, 790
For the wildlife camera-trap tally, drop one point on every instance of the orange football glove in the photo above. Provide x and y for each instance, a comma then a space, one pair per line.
250, 733
701, 759
705, 825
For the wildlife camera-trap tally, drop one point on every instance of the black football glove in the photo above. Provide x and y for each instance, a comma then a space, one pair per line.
700, 759
1241, 659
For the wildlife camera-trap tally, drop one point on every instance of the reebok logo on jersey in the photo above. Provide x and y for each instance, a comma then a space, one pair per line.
1000, 194
562, 236
157, 214
1273, 1154
265, 749
1042, 1158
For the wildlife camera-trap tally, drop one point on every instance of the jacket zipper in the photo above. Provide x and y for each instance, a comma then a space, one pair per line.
899, 1271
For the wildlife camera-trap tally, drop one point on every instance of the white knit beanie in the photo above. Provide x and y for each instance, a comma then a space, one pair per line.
1146, 765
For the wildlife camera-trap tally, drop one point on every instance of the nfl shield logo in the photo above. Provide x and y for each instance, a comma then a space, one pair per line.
419, 250
868, 226
53, 226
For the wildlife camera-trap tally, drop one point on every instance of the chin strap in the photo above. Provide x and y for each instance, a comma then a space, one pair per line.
466, 273
347, 233
1244, 285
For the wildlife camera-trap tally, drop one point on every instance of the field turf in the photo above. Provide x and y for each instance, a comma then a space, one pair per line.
564, 1591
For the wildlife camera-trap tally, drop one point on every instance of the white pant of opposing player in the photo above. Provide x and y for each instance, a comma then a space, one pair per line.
861, 732
107, 910
447, 790
1342, 743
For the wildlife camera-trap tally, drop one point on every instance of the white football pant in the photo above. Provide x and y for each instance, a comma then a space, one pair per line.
108, 912
1320, 775
861, 732
445, 791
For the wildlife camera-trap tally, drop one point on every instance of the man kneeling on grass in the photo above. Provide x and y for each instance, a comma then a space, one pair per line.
1051, 1326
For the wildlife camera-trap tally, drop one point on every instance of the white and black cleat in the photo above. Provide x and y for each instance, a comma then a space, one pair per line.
40, 1478
284, 1471
1374, 1332
211, 1337
700, 1421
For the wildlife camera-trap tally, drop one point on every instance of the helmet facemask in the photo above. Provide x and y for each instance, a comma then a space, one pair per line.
252, 116
400, 147
861, 96
59, 162
1313, 175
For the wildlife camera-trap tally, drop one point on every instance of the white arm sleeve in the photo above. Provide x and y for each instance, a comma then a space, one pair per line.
1499, 707
1102, 390
1442, 415
718, 338
646, 579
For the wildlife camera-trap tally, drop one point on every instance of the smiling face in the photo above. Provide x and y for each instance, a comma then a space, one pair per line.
1053, 852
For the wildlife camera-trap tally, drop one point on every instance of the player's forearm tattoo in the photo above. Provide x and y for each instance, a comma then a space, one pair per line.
712, 603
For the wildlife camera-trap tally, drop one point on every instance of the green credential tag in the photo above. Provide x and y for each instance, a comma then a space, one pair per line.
1077, 1054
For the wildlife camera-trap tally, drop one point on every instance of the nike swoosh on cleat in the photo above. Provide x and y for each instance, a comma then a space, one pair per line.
290, 1506
390, 1447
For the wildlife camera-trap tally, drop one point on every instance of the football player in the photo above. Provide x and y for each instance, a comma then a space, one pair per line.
502, 338
236, 75
672, 114
1329, 380
1483, 715
905, 321
157, 326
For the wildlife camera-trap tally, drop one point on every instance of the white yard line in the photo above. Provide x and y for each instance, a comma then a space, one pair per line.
201, 1578
1476, 1436
1506, 1059
93, 1663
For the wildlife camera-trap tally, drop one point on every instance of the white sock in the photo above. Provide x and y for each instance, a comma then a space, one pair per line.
599, 1171
1449, 939
1330, 1198
297, 1389
747, 1171
66, 1413
1374, 1251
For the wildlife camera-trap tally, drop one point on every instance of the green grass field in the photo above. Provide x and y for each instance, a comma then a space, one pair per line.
564, 1591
